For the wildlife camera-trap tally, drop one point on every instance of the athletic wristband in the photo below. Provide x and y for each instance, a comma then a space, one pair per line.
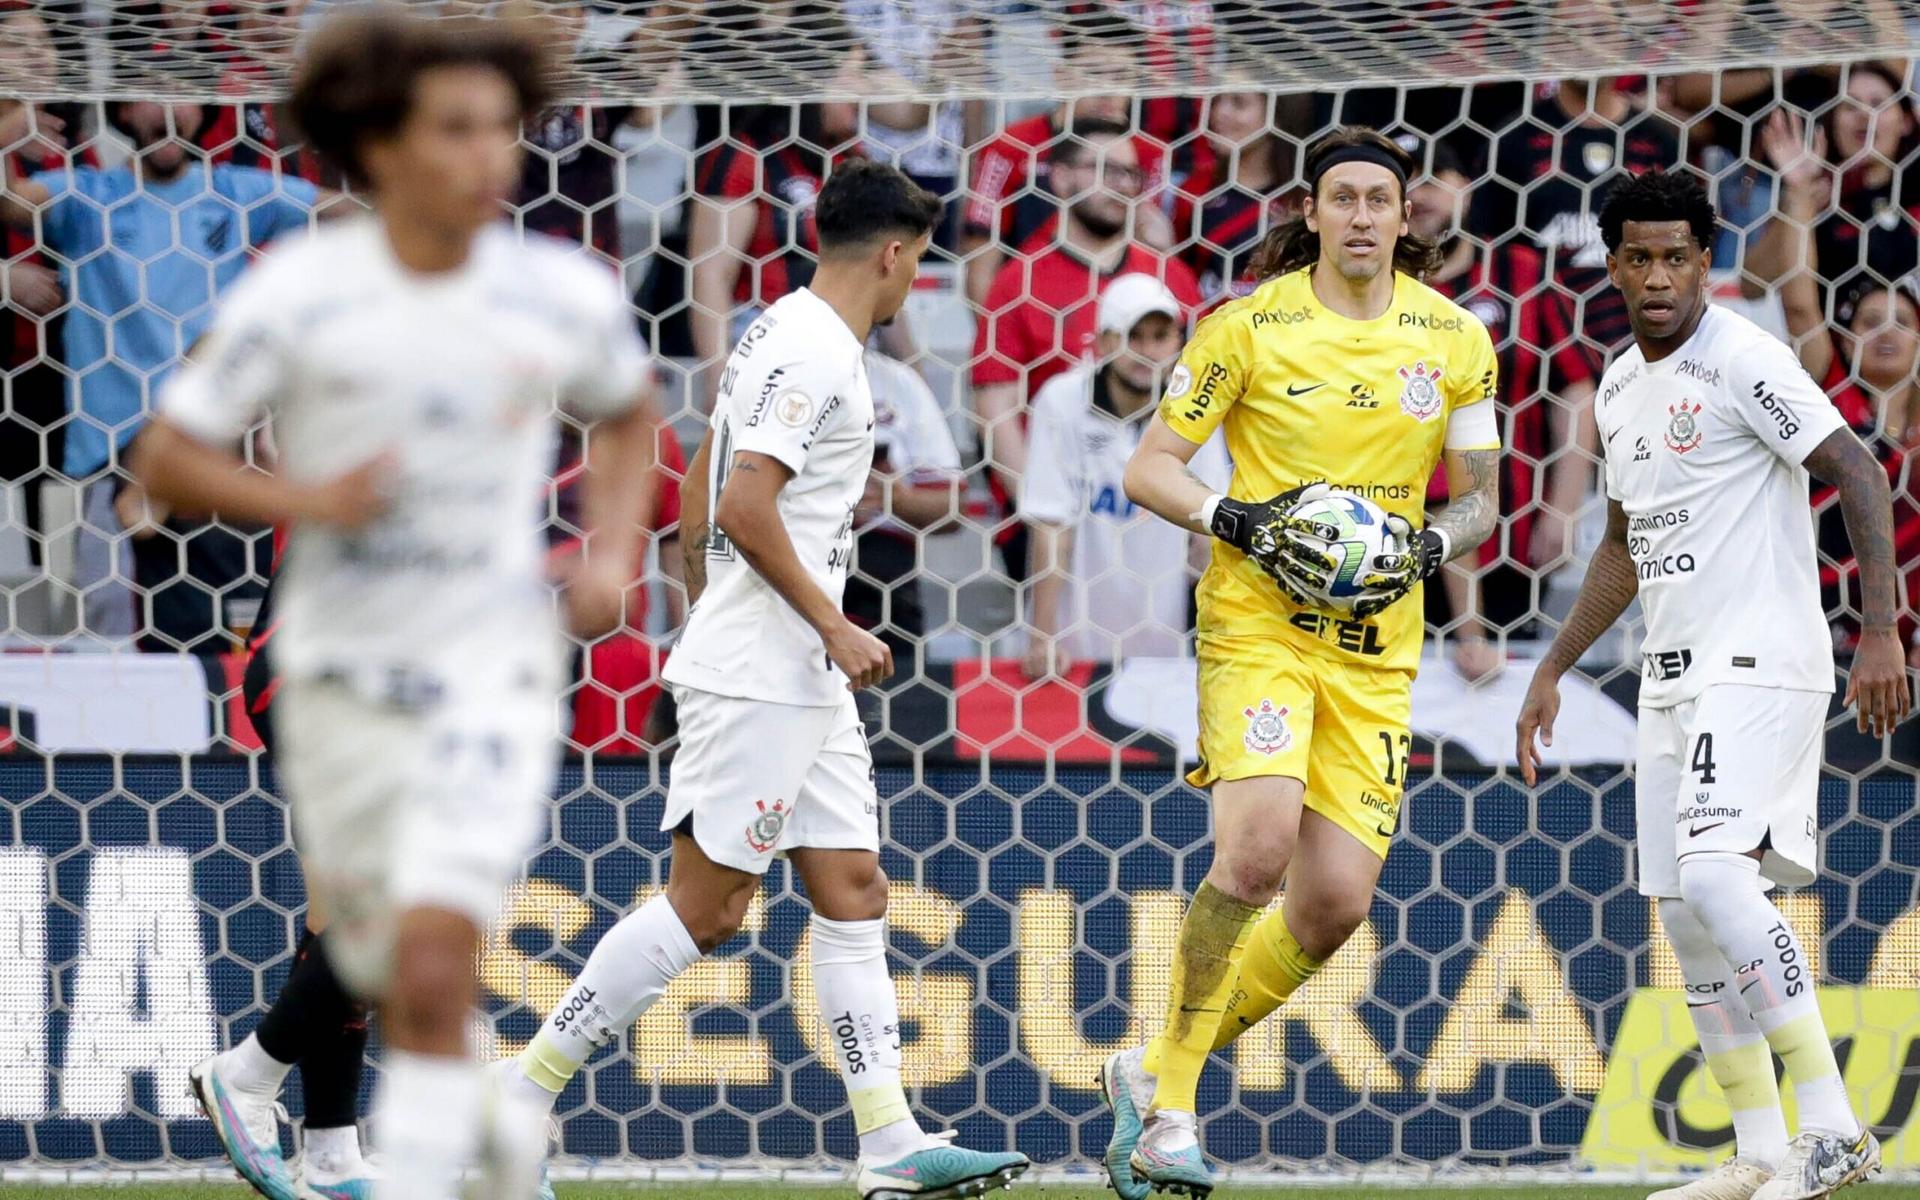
1205, 515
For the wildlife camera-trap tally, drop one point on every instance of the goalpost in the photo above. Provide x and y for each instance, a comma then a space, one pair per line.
1510, 1005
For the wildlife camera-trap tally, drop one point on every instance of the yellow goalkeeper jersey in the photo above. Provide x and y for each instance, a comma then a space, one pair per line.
1307, 395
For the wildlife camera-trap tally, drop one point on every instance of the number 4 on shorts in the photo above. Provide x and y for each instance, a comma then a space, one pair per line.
1703, 757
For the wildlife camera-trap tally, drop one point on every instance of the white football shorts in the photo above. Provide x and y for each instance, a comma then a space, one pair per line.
1731, 770
757, 779
395, 808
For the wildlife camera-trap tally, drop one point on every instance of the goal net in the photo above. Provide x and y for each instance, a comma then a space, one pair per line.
1508, 1004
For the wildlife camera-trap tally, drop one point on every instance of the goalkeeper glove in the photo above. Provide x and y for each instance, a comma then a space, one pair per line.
1264, 532
1392, 574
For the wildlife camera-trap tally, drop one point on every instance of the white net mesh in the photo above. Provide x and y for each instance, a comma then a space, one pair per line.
1509, 1002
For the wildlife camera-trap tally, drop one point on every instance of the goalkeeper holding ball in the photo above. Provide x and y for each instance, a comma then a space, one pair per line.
1340, 371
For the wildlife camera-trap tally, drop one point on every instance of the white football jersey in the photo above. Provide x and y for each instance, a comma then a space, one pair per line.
457, 376
794, 389
1703, 452
1129, 578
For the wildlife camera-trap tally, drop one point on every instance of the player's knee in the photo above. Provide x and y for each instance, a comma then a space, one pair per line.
1324, 927
713, 925
1252, 867
433, 982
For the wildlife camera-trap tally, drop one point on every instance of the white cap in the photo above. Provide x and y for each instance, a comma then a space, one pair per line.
1130, 297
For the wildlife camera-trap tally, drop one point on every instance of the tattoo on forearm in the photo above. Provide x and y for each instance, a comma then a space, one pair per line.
1866, 506
693, 558
1469, 519
1611, 584
743, 462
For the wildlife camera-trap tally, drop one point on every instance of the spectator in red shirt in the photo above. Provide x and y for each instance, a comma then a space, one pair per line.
1868, 361
31, 296
752, 238
1546, 408
1866, 211
1012, 196
1039, 313
1548, 175
1223, 210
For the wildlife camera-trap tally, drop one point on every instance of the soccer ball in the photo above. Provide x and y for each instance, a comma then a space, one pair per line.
1357, 529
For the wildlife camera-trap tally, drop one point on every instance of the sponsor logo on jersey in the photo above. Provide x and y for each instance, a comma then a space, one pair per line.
1295, 389
580, 1004
1693, 368
1372, 491
1683, 427
1642, 449
1275, 316
1420, 398
1613, 389
1203, 400
1667, 664
1181, 381
1267, 731
1355, 637
1784, 418
1433, 321
763, 832
1707, 812
1380, 804
768, 387
1673, 518
1362, 397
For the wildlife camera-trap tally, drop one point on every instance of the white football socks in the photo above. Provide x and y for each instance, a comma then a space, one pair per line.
1772, 975
426, 1117
251, 1069
1731, 1041
629, 969
331, 1155
862, 1016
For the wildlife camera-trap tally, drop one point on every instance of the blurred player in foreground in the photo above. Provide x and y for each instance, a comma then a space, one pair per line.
1711, 426
411, 362
1343, 368
773, 758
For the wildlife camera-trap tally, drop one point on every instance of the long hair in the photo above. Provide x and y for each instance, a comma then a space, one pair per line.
1290, 245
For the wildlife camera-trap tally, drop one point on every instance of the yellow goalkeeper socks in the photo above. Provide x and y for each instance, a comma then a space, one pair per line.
1272, 969
1205, 962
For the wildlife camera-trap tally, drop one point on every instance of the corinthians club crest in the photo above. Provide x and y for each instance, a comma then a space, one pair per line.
764, 834
1267, 731
1683, 430
1421, 398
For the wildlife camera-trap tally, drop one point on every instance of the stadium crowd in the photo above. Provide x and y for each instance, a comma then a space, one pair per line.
123, 221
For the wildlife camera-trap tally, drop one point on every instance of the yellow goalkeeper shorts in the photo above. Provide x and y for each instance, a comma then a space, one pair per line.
1266, 709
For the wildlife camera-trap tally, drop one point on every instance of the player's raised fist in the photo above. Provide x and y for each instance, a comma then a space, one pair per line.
865, 658
359, 496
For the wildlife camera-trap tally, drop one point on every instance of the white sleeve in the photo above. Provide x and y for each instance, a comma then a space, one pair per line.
1772, 395
1212, 464
930, 453
1051, 490
786, 407
236, 371
614, 367
1475, 426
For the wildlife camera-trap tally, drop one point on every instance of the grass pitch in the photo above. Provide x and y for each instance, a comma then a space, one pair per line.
1522, 1187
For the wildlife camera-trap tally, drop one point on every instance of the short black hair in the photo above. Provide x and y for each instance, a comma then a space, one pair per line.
863, 200
1077, 141
356, 78
1655, 196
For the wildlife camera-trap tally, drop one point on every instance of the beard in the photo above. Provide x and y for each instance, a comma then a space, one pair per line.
1097, 223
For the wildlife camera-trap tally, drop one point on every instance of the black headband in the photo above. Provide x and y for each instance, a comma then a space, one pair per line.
1361, 153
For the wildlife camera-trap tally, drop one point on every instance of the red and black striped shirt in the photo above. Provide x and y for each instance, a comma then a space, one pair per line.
782, 184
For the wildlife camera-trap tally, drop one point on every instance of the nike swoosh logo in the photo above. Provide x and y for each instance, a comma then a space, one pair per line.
1189, 1009
1697, 830
1295, 390
1749, 983
1616, 433
1383, 831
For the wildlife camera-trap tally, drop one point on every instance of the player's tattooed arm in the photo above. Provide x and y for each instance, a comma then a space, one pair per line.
696, 521
1473, 478
1866, 504
1611, 584
1877, 683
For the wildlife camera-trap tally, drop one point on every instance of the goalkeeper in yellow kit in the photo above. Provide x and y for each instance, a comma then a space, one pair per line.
1340, 370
